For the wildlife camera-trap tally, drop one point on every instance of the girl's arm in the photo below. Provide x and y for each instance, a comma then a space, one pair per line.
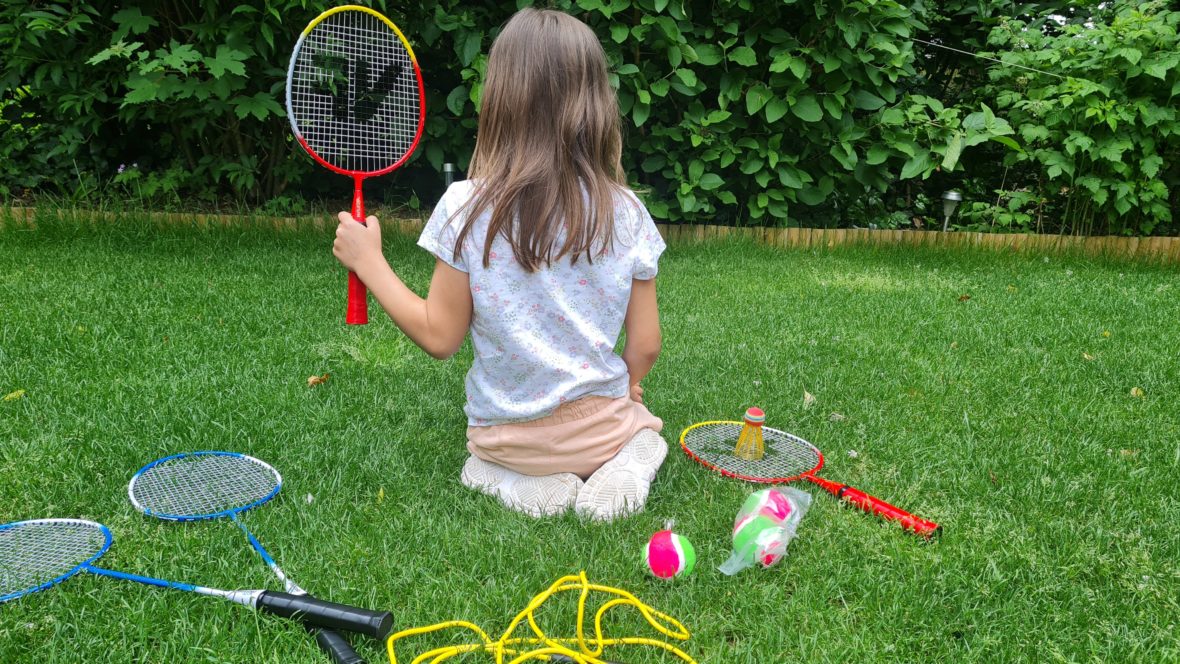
643, 333
437, 323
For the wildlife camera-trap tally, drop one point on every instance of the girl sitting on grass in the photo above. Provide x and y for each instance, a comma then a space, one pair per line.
544, 255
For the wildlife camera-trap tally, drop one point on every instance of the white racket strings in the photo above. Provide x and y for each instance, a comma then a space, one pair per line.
203, 485
33, 553
786, 455
354, 95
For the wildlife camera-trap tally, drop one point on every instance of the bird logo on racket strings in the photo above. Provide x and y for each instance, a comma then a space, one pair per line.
339, 76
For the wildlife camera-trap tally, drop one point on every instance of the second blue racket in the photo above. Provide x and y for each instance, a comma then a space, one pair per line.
199, 486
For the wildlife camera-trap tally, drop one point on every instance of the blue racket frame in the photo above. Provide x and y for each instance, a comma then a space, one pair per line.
202, 517
81, 567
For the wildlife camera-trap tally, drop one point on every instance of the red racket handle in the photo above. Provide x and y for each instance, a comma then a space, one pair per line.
358, 299
910, 522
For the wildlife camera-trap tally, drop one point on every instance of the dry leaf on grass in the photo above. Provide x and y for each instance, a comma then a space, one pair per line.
1137, 392
1106, 333
964, 297
13, 396
808, 399
312, 381
1088, 357
1129, 453
836, 417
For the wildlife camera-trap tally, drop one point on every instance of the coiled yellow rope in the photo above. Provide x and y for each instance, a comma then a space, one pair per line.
580, 650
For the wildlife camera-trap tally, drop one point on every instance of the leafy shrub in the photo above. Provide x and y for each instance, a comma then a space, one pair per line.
1100, 129
824, 112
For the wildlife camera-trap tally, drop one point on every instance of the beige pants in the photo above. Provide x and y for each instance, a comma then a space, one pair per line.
576, 438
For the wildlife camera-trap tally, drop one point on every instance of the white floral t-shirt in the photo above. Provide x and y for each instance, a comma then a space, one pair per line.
548, 337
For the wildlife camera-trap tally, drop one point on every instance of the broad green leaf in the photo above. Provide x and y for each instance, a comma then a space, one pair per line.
654, 163
781, 62
756, 98
1004, 140
469, 47
660, 88
953, 150
226, 60
627, 70
457, 99
640, 113
807, 109
799, 68
1131, 55
132, 20
865, 100
180, 56
744, 56
708, 54
260, 106
710, 181
894, 116
776, 108
1151, 165
695, 170
620, 33
687, 76
790, 177
877, 154
833, 105
918, 164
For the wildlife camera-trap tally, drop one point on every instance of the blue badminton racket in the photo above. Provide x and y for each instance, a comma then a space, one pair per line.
39, 554
199, 486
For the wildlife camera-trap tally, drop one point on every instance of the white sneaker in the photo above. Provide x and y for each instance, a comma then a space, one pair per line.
621, 485
534, 495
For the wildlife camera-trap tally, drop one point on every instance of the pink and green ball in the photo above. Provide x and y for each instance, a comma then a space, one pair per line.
758, 539
669, 555
767, 502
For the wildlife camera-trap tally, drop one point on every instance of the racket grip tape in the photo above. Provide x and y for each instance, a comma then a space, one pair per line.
335, 646
910, 522
358, 301
358, 298
320, 613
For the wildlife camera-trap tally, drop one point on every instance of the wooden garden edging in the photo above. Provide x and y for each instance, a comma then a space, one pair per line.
1159, 249
1156, 249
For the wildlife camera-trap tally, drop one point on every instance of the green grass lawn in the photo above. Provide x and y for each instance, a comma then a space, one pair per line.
1008, 417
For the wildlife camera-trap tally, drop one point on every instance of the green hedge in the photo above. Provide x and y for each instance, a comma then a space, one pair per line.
818, 112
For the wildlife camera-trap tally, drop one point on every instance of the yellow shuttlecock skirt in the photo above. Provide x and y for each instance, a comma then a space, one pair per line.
749, 445
510, 649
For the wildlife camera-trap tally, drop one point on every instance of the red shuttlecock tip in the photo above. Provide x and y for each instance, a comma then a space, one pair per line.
755, 416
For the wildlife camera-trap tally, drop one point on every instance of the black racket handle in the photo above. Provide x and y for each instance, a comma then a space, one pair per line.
335, 646
317, 612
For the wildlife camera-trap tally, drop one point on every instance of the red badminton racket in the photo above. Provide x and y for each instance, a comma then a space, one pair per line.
780, 458
356, 104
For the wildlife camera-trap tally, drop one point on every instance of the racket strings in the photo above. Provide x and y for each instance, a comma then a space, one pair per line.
354, 93
34, 553
786, 456
203, 485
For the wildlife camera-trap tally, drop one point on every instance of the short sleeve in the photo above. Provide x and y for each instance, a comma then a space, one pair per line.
648, 247
438, 237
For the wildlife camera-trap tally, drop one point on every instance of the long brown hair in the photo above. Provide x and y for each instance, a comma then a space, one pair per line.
547, 150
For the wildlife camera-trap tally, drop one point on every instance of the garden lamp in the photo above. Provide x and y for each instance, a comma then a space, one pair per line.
448, 174
950, 201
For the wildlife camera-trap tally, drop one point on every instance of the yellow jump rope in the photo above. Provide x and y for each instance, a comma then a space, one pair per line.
511, 650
